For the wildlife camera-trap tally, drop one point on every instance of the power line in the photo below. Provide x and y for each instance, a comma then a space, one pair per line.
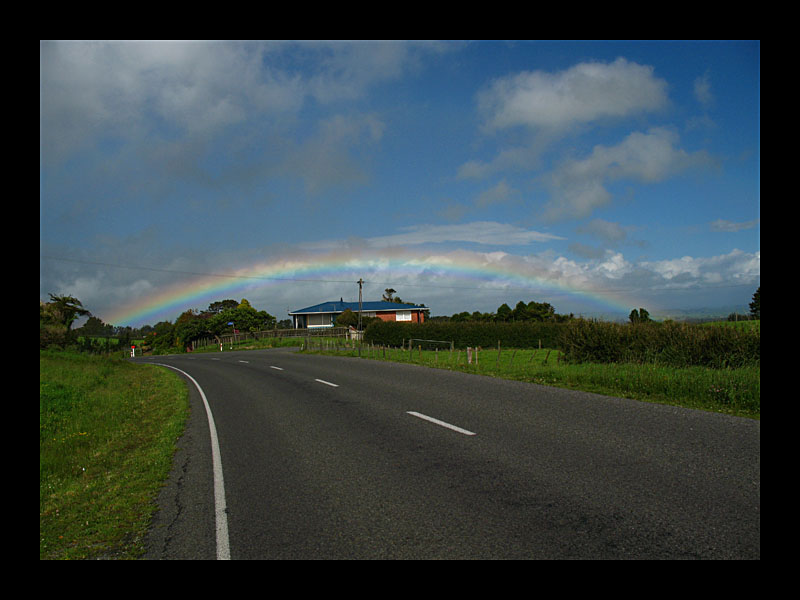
194, 273
380, 283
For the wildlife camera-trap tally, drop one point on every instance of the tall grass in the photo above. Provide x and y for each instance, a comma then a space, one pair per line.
731, 391
107, 433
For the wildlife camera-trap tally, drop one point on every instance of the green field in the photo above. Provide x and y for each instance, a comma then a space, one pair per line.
731, 391
107, 433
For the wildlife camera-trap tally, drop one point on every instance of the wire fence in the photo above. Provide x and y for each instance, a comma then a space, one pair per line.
315, 332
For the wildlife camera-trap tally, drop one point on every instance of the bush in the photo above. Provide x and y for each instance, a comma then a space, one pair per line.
463, 334
673, 344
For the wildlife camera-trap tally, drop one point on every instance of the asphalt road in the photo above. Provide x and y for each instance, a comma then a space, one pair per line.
340, 458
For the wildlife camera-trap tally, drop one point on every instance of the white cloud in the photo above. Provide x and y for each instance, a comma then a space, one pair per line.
731, 226
734, 267
547, 106
584, 93
702, 90
132, 89
578, 186
169, 90
479, 232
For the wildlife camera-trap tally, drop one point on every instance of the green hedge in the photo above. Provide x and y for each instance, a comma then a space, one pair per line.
672, 344
484, 335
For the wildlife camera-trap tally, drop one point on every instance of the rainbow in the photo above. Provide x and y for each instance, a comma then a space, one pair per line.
457, 270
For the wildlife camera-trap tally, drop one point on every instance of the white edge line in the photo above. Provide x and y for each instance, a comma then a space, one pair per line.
442, 423
223, 543
327, 382
276, 368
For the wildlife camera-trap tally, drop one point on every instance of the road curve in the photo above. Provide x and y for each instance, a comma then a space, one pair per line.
340, 458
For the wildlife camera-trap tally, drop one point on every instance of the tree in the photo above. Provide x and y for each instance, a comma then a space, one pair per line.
65, 309
388, 295
755, 305
218, 307
349, 318
541, 311
521, 312
95, 327
504, 313
346, 319
161, 338
639, 316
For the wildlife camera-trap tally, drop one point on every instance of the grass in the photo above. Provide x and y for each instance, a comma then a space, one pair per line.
731, 391
107, 433
250, 344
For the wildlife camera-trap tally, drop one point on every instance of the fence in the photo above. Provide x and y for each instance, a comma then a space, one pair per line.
227, 339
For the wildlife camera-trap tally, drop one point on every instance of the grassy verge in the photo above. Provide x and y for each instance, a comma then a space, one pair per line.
107, 434
731, 391
259, 344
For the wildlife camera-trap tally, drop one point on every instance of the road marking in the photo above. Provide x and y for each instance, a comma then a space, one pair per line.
327, 382
276, 368
442, 423
223, 542
245, 361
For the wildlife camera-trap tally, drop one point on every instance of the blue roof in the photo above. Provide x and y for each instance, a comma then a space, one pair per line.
340, 307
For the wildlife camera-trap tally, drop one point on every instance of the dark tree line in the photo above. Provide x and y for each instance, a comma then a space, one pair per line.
57, 317
536, 312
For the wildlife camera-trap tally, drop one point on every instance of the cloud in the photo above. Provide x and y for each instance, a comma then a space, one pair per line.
731, 226
584, 93
327, 158
734, 267
479, 232
501, 193
702, 90
485, 278
578, 186
91, 91
548, 106
164, 91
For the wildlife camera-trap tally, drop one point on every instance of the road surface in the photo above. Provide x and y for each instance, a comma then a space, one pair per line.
339, 458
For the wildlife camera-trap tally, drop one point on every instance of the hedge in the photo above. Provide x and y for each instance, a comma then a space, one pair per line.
463, 334
673, 344
581, 340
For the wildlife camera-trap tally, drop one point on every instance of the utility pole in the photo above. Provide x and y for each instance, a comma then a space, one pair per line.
360, 282
360, 333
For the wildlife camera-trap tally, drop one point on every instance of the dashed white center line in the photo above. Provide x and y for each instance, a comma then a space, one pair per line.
327, 382
276, 368
442, 423
245, 361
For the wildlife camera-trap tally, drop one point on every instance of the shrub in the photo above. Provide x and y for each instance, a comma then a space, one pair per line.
463, 334
679, 345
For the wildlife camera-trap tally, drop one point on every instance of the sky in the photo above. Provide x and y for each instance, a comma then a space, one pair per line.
596, 176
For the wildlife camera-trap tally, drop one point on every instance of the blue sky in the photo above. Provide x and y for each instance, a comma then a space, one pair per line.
628, 171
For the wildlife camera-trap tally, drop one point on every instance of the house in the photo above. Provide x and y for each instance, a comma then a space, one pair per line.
324, 315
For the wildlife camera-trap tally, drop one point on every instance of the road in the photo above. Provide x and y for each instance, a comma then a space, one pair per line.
340, 458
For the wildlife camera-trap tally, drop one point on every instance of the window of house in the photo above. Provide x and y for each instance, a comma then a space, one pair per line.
403, 315
319, 320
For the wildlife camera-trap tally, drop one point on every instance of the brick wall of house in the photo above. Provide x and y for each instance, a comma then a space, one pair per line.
416, 316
